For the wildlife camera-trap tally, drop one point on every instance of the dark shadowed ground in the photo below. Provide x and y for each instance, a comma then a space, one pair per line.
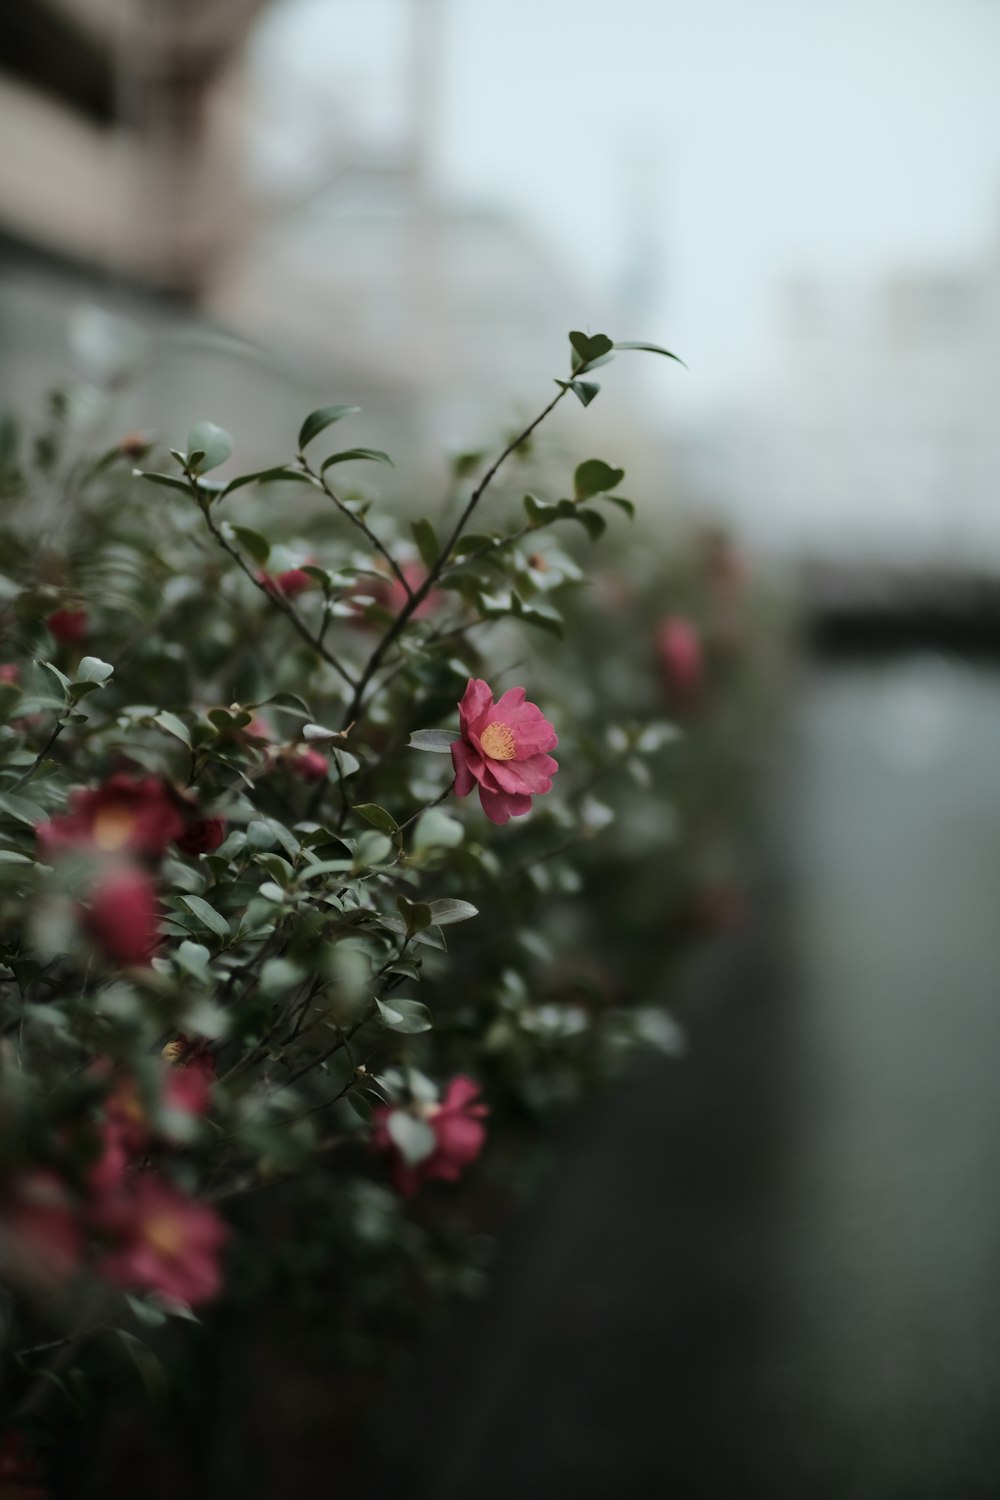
773, 1269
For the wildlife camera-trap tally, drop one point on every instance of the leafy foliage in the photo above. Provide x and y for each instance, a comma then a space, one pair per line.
251, 945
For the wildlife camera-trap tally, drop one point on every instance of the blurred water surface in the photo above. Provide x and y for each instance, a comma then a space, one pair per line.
773, 1269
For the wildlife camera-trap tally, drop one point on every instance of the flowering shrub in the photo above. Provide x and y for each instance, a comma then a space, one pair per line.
237, 878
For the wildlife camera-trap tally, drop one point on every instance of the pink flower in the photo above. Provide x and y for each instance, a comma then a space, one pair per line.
123, 915
43, 1225
202, 836
106, 1174
188, 1087
682, 660
68, 626
502, 748
390, 594
310, 764
10, 672
293, 581
163, 1241
458, 1137
123, 816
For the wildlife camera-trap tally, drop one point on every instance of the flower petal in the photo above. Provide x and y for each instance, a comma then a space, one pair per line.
532, 776
464, 759
477, 701
500, 807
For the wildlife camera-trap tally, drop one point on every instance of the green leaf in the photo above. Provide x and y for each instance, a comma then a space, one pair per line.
377, 817
436, 830
416, 914
595, 477
253, 543
408, 1017
539, 514
168, 481
414, 1137
622, 504
427, 542
278, 975
369, 455
543, 617
60, 677
213, 443
22, 809
193, 957
371, 849
649, 349
207, 916
92, 669
587, 348
593, 520
448, 910
438, 741
150, 1370
318, 421
266, 476
171, 724
583, 390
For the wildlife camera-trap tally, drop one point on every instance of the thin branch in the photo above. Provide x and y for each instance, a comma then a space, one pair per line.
277, 599
320, 481
43, 752
419, 594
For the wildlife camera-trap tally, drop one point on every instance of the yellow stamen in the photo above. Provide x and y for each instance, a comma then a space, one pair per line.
163, 1233
498, 742
113, 828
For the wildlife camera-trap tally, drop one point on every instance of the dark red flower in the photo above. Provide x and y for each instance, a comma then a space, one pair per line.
392, 595
188, 1085
41, 1225
289, 583
123, 915
68, 626
10, 672
503, 751
106, 1174
456, 1124
202, 836
310, 764
682, 660
123, 816
19, 1470
163, 1241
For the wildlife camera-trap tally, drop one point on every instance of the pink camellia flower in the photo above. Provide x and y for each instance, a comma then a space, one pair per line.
106, 1174
188, 1086
202, 836
123, 816
10, 672
291, 582
68, 626
456, 1122
162, 1241
392, 595
41, 1225
308, 763
503, 751
123, 915
682, 659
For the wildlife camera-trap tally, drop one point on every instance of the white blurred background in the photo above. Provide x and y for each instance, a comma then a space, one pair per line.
414, 200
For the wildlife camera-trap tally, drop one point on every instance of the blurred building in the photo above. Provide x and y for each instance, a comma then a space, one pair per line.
224, 154
872, 439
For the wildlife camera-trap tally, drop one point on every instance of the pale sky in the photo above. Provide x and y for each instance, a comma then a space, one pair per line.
838, 137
